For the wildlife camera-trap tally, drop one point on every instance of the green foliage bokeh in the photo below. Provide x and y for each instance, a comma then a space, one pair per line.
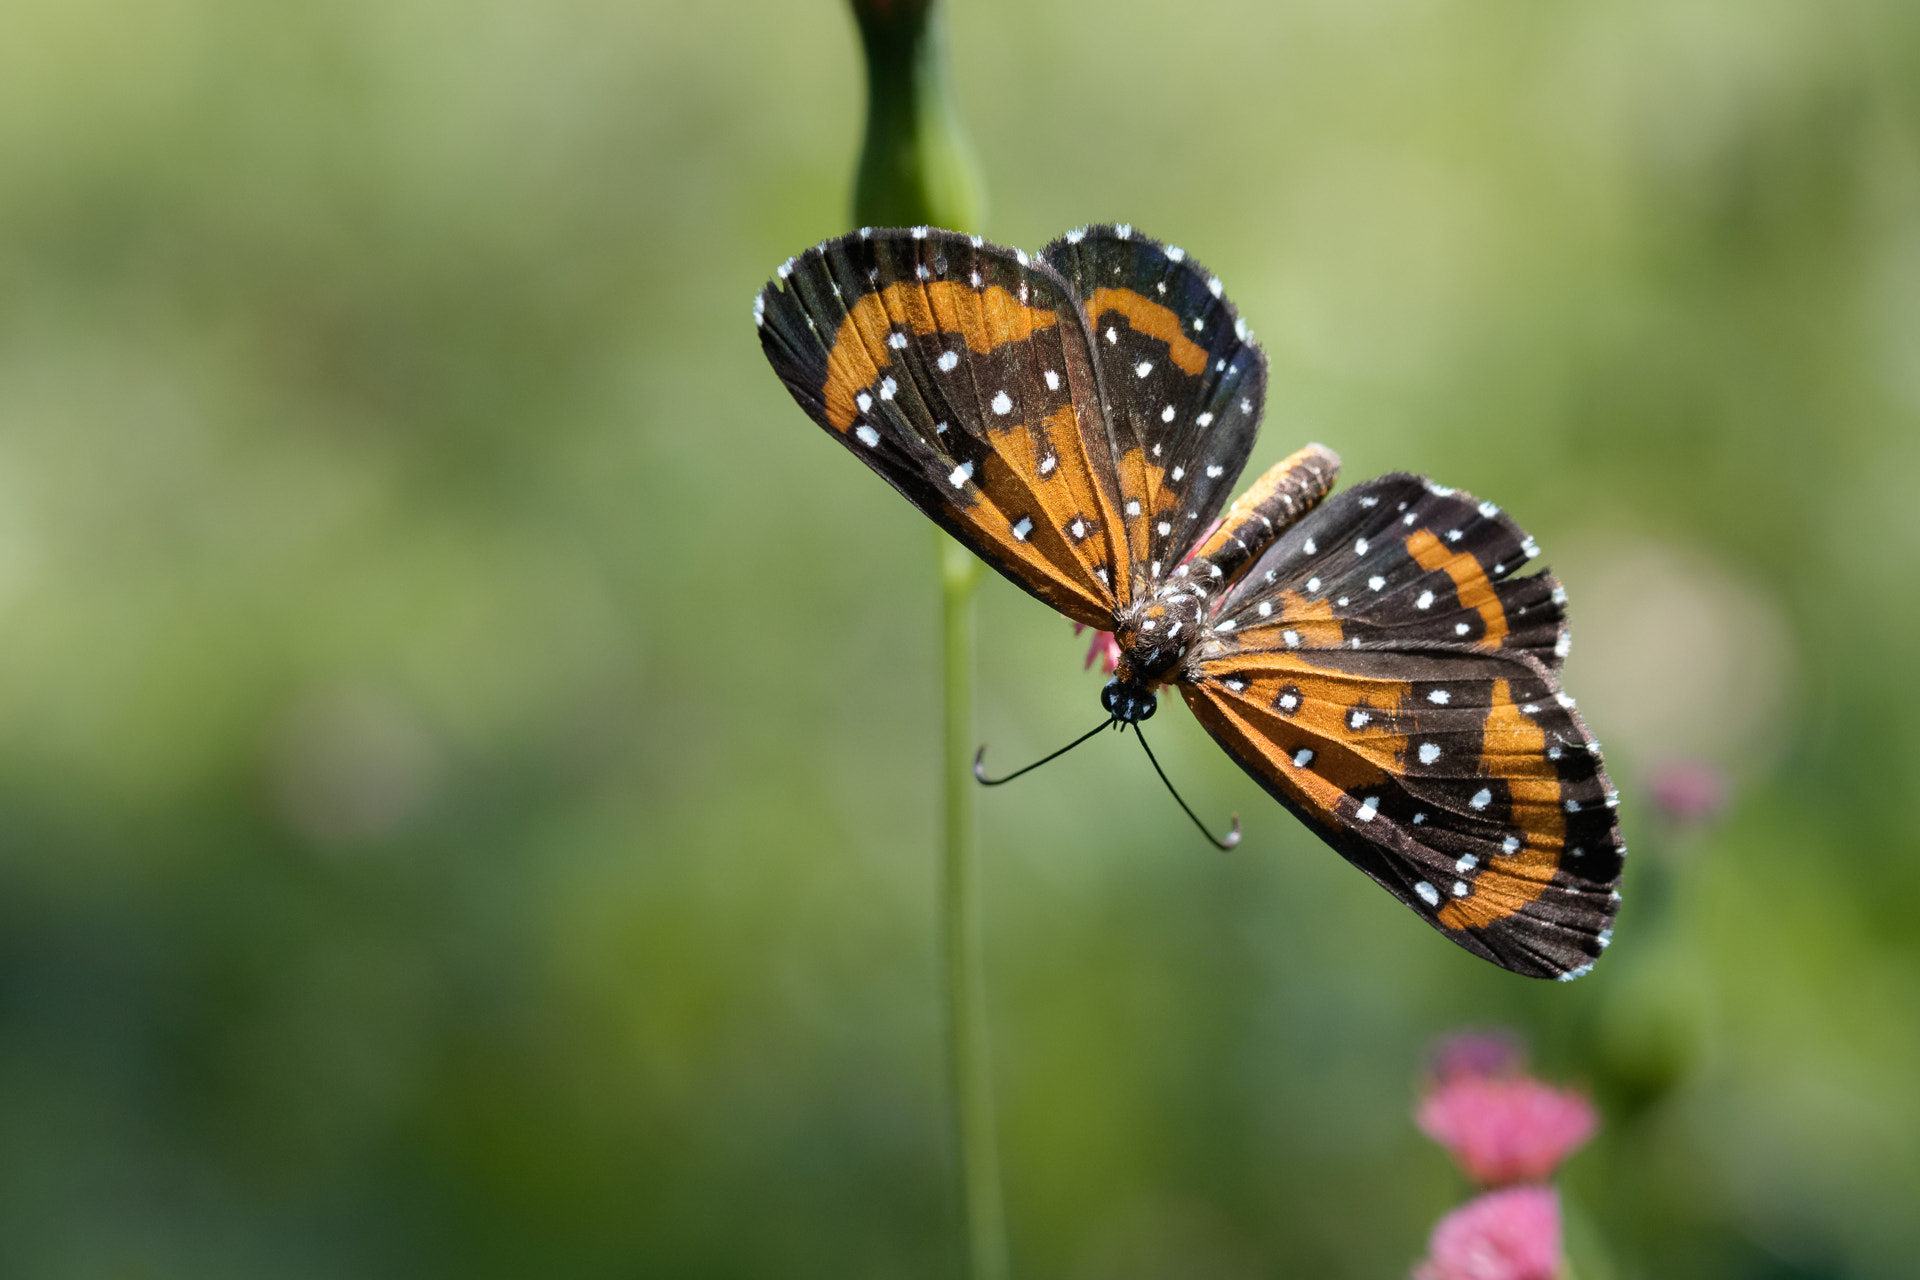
468, 748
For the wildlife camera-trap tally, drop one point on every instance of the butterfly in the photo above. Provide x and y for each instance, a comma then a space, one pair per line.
1373, 659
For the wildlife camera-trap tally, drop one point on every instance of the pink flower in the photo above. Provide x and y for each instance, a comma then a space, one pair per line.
1493, 1052
1104, 647
1689, 791
1504, 1235
1506, 1129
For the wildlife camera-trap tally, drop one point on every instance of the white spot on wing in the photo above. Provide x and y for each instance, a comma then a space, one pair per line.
1303, 757
1204, 420
1024, 528
948, 361
1002, 403
1428, 894
1429, 753
961, 474
868, 436
1481, 798
1368, 808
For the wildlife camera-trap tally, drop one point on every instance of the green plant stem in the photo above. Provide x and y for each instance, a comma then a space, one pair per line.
970, 1062
915, 169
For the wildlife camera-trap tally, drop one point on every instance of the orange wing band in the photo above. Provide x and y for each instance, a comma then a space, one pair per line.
1470, 581
1516, 750
988, 319
1146, 316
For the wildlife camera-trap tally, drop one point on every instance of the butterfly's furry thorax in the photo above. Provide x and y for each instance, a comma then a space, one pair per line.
1156, 635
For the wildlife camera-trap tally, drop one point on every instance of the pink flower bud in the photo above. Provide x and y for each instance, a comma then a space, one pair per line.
1493, 1052
1689, 791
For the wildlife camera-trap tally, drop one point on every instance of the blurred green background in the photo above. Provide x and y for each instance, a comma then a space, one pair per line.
468, 745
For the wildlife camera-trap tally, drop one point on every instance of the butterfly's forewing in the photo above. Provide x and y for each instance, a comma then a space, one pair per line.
962, 373
1183, 382
1446, 763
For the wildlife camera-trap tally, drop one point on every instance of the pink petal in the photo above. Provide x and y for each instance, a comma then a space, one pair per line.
1503, 1235
1106, 649
1506, 1130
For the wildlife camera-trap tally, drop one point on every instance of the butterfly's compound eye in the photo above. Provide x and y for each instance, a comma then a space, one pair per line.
1128, 702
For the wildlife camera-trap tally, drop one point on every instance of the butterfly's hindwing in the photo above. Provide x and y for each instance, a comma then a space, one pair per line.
1398, 562
961, 373
1462, 783
1183, 382
1379, 670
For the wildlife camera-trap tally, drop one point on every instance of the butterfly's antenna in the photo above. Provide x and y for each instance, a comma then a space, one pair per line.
980, 756
1233, 835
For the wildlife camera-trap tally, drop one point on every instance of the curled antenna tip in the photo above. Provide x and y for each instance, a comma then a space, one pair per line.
980, 758
1232, 837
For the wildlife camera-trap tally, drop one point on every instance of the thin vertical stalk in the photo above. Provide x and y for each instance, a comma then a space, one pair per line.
970, 1063
915, 169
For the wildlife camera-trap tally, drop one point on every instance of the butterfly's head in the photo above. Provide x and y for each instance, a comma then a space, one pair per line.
1128, 701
